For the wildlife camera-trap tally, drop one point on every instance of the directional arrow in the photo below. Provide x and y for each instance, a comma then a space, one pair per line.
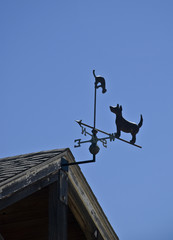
109, 134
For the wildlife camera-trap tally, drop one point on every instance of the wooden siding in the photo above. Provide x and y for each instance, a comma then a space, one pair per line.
28, 219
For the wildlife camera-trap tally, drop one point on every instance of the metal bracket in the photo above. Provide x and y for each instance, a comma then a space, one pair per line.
66, 163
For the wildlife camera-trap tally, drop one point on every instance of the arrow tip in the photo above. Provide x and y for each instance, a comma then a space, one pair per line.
78, 121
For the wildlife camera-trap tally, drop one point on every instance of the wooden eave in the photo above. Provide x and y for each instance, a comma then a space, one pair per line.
81, 199
81, 189
30, 176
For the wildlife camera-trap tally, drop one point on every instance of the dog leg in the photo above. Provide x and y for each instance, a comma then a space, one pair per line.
118, 133
133, 139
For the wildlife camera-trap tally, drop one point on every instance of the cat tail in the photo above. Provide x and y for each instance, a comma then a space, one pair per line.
94, 73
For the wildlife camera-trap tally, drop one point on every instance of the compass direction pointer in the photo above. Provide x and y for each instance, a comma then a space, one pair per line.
85, 132
79, 142
104, 142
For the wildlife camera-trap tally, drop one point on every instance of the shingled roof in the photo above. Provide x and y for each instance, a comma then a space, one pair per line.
21, 171
12, 166
23, 175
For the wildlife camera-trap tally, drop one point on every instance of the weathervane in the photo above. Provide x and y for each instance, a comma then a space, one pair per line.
121, 124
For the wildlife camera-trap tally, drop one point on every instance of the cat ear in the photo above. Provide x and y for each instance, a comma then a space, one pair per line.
121, 108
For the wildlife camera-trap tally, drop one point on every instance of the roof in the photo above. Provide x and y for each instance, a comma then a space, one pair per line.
12, 166
21, 172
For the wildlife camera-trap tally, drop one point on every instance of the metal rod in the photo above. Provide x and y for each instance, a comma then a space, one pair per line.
120, 140
95, 92
80, 162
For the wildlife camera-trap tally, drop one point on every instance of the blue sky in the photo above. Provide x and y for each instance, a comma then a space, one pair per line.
48, 50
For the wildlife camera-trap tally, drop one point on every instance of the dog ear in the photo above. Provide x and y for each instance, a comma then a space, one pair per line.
117, 105
121, 108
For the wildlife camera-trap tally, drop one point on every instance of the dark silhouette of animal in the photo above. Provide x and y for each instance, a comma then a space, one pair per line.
101, 80
124, 125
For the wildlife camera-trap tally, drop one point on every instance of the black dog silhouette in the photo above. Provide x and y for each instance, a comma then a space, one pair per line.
124, 125
101, 80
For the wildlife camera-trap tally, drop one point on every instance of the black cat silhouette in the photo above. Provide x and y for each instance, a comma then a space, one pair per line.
101, 80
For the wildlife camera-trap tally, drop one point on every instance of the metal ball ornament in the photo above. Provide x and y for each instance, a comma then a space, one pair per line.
94, 149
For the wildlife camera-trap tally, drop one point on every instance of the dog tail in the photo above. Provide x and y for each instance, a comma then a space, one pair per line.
141, 122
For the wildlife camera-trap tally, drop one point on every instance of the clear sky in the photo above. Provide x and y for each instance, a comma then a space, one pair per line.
48, 50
